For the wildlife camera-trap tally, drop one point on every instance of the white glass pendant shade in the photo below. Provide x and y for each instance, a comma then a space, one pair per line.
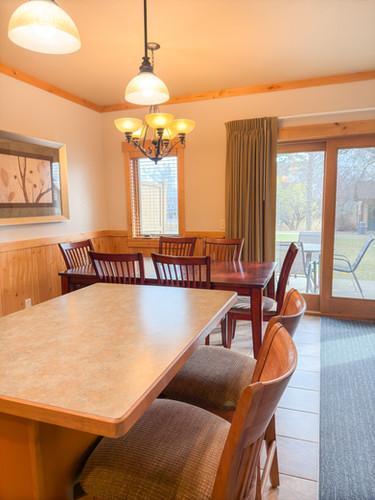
128, 124
146, 89
43, 26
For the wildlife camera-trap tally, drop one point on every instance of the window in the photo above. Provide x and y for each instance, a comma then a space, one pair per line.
155, 199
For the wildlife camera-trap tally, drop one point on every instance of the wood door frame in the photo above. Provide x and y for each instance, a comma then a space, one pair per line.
338, 306
306, 146
324, 303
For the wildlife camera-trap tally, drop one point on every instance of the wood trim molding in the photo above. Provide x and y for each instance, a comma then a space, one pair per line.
52, 240
48, 87
200, 96
257, 89
326, 130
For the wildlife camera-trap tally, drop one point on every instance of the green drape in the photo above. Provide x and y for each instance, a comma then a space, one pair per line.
251, 185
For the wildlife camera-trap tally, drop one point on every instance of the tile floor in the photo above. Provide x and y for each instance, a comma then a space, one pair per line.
297, 417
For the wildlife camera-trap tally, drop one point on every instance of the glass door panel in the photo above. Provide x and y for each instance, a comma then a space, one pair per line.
354, 237
299, 211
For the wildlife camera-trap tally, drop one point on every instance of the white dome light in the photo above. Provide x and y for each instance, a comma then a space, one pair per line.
43, 26
146, 89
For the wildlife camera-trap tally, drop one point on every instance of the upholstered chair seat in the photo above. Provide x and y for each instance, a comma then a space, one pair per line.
172, 452
213, 378
245, 303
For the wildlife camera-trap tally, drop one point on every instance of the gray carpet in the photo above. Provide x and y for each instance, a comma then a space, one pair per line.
347, 412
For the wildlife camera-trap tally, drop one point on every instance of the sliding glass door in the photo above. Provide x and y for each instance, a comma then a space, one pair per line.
348, 259
326, 204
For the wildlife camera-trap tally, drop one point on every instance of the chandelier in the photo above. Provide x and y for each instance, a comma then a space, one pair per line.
43, 26
158, 133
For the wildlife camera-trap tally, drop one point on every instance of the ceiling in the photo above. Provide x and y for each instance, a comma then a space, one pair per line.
206, 44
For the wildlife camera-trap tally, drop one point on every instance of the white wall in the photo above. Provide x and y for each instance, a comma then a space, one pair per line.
29, 111
205, 151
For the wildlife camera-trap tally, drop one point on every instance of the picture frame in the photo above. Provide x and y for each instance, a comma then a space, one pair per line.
33, 180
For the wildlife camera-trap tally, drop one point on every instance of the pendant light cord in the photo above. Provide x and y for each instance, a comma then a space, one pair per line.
145, 25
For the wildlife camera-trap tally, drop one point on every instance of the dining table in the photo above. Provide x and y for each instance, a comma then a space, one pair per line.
249, 279
85, 365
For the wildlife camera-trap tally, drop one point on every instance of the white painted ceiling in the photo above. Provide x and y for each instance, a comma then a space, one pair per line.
206, 44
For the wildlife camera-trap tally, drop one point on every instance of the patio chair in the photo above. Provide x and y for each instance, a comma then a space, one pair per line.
301, 267
342, 264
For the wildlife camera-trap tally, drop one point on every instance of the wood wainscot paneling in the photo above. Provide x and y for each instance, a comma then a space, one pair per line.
29, 268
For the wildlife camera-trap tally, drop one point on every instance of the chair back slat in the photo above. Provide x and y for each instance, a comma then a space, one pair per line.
76, 254
175, 245
284, 275
276, 363
125, 268
186, 272
223, 249
291, 313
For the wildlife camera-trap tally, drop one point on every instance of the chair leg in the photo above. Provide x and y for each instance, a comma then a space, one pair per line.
271, 468
207, 340
224, 328
358, 284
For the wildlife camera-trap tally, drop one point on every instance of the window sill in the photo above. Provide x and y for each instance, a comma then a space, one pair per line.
143, 243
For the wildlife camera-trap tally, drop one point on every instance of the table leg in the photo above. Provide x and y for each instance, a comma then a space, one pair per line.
256, 318
40, 461
65, 285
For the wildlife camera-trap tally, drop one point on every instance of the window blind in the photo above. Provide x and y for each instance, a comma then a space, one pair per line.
154, 197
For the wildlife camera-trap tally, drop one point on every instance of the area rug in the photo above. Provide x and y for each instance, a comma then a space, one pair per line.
347, 412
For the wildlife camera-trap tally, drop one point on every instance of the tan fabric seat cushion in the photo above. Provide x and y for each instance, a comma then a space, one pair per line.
245, 303
213, 378
172, 452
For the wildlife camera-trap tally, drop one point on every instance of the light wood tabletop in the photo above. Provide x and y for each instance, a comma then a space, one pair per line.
95, 359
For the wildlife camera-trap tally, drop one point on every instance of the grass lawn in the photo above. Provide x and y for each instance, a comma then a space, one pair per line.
348, 244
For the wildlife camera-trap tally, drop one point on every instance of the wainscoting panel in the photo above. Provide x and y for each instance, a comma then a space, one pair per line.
29, 269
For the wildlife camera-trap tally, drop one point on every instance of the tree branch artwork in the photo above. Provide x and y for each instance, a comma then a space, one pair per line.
25, 180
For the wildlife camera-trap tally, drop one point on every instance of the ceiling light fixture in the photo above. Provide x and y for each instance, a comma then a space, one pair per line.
159, 133
43, 26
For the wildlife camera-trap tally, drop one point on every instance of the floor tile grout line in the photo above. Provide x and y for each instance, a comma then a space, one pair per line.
299, 477
300, 411
303, 388
298, 439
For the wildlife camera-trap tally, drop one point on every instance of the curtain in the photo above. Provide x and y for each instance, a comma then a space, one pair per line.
250, 197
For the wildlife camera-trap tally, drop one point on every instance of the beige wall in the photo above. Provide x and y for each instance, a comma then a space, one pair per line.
29, 111
97, 193
205, 151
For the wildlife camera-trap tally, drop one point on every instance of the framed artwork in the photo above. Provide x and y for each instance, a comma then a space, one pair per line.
33, 180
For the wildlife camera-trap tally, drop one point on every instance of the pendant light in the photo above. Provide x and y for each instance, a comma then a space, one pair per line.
146, 88
43, 26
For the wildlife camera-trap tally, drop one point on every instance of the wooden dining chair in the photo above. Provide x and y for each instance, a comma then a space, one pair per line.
213, 378
76, 254
223, 249
187, 272
177, 450
126, 268
176, 245
271, 307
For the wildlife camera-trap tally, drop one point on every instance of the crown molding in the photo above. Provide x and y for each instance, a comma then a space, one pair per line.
201, 96
257, 89
47, 87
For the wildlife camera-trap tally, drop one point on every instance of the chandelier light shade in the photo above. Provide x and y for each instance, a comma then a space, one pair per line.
183, 126
146, 89
128, 124
159, 120
43, 26
157, 135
